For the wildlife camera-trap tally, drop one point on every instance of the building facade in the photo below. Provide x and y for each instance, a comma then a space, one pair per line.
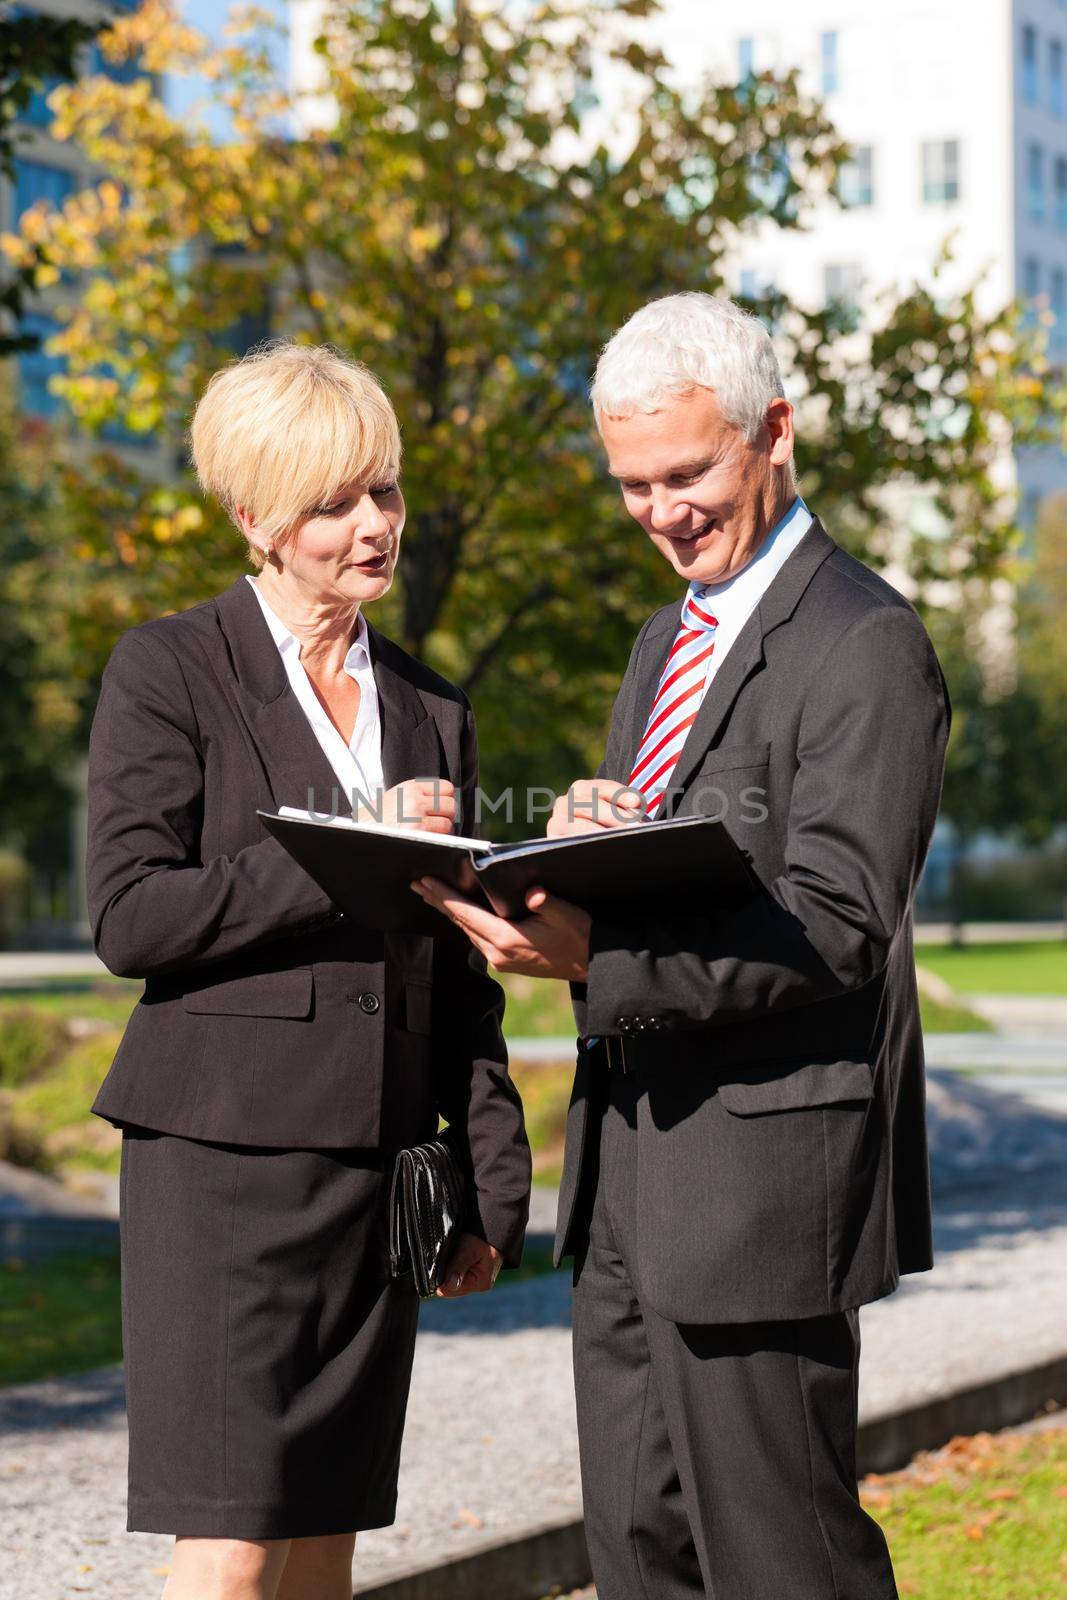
956, 112
51, 169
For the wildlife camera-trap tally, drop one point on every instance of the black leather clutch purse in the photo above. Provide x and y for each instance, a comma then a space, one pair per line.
427, 1203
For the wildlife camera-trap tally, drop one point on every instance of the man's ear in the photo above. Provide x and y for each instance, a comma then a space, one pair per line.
780, 429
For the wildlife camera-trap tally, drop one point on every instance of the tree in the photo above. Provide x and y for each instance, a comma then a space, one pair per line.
41, 720
1006, 771
34, 52
1007, 768
452, 229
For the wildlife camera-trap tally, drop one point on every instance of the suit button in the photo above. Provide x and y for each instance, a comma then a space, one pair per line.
369, 1003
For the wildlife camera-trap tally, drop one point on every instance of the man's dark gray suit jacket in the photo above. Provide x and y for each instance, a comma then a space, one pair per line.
782, 1167
267, 1018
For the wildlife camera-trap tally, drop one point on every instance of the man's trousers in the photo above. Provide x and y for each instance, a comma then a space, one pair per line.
718, 1460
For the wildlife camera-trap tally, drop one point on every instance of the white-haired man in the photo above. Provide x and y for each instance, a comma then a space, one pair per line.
746, 1158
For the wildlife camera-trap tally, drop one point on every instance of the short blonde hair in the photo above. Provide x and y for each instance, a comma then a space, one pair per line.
281, 431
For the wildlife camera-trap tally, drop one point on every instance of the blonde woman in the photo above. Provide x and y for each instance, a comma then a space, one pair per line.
281, 1053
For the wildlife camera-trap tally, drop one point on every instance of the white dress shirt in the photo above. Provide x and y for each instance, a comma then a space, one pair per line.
358, 764
733, 602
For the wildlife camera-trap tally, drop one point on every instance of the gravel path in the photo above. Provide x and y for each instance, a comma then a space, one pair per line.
490, 1443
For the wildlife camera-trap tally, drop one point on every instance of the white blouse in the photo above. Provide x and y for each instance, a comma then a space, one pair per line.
358, 764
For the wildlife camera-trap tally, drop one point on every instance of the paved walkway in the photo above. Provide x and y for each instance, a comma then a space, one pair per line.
490, 1448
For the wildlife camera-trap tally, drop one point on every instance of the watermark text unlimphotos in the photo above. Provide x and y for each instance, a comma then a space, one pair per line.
532, 805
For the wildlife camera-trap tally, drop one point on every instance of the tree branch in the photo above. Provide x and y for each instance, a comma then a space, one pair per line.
488, 654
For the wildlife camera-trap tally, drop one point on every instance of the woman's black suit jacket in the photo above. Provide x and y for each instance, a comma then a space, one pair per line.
268, 1018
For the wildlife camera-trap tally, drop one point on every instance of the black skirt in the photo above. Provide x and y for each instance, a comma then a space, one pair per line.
268, 1352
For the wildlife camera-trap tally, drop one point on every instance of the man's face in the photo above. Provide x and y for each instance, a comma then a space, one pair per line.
705, 496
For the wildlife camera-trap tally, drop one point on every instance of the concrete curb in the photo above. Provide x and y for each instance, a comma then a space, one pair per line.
888, 1442
554, 1556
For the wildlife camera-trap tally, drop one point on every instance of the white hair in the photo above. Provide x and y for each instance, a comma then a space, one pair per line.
685, 342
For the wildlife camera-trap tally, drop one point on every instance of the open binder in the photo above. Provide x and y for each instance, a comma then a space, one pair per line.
367, 868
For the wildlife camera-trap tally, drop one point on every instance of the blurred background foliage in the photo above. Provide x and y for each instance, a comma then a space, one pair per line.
34, 50
451, 228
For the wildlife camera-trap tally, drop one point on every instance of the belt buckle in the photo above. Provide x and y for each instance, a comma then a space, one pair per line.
616, 1052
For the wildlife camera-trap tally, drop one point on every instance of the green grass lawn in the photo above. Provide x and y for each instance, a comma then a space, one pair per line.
981, 1520
1037, 968
59, 1316
938, 1018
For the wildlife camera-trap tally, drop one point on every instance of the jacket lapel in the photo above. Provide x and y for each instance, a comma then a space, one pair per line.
410, 744
295, 767
745, 656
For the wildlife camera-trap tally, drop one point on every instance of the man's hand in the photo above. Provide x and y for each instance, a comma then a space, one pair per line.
552, 943
472, 1268
428, 804
594, 803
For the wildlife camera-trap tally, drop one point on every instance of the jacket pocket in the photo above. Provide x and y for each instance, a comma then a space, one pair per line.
817, 1083
258, 994
730, 756
418, 1007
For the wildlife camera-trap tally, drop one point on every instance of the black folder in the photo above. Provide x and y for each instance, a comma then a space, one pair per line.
664, 866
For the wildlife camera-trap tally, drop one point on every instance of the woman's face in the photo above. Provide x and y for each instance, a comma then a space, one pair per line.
346, 550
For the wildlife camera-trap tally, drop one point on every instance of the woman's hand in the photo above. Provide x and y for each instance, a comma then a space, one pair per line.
594, 803
427, 804
472, 1268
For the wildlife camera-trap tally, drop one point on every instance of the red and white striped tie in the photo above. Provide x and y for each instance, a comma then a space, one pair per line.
677, 701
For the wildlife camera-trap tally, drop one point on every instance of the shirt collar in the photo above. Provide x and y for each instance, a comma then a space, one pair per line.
358, 651
765, 564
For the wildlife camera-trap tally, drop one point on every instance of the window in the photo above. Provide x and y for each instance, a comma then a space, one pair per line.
831, 80
771, 184
1058, 292
1031, 277
1060, 188
36, 180
941, 170
1031, 91
1035, 183
118, 71
746, 58
1055, 78
842, 282
36, 367
37, 113
855, 182
754, 283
